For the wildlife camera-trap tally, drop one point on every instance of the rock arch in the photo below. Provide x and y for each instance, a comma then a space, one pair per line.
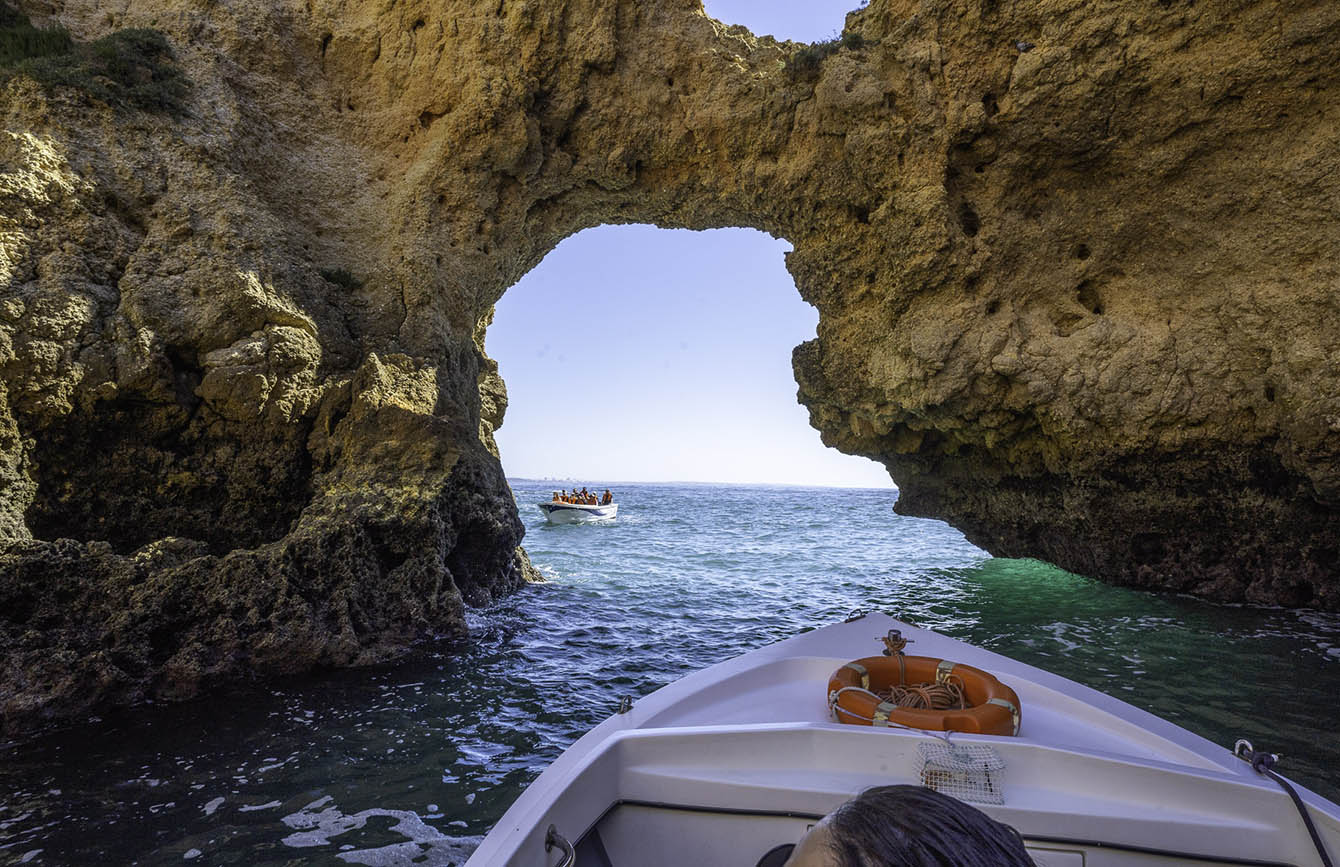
1076, 273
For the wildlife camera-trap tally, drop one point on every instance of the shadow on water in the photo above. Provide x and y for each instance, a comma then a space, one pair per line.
413, 763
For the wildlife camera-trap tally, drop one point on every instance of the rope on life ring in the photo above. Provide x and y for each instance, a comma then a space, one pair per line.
921, 692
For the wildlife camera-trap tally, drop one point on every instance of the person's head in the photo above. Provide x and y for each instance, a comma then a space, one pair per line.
909, 826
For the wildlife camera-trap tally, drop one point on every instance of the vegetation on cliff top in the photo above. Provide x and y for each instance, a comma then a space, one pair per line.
127, 69
807, 60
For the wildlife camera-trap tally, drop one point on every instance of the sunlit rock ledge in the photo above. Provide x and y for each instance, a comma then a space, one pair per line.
1075, 264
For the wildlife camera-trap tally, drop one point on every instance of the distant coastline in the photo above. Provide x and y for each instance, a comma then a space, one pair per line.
600, 480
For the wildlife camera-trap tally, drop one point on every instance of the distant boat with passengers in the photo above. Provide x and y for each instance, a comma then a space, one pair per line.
579, 507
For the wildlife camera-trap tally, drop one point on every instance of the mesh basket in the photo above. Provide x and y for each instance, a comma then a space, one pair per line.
969, 772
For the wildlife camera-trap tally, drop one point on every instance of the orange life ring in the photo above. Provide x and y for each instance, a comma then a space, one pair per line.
995, 708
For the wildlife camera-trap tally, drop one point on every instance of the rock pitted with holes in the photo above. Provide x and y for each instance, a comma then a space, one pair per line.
1077, 269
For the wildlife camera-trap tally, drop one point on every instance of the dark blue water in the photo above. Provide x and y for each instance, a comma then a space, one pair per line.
412, 763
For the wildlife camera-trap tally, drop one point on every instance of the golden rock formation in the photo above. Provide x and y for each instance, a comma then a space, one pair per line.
1077, 264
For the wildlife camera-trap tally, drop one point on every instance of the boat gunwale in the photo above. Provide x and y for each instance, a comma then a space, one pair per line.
1216, 763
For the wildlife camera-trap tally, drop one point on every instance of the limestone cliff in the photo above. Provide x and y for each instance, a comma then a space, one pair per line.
1075, 263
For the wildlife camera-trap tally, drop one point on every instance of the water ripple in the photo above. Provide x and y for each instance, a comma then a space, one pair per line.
412, 763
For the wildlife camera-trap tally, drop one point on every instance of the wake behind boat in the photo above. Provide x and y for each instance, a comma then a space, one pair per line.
731, 762
576, 513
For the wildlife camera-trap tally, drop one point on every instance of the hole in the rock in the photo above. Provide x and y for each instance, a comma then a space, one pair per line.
990, 105
1087, 295
783, 20
968, 220
796, 21
992, 307
1270, 394
1082, 251
641, 354
186, 376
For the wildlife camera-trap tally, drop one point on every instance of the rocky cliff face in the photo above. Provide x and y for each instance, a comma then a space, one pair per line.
1075, 263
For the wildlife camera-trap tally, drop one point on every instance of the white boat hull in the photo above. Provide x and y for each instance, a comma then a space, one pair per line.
718, 768
568, 513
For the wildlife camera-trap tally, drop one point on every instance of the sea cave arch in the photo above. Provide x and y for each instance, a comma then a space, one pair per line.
636, 353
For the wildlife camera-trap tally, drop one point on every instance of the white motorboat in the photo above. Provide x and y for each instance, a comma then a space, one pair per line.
728, 763
572, 513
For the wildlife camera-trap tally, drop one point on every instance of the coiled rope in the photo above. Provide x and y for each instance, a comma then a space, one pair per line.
837, 708
946, 694
942, 695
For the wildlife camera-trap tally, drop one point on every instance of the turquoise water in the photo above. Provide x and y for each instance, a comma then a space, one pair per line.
412, 763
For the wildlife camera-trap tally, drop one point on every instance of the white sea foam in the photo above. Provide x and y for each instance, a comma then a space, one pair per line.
248, 808
440, 853
318, 822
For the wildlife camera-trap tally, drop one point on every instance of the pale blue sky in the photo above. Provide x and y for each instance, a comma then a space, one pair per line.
633, 353
785, 19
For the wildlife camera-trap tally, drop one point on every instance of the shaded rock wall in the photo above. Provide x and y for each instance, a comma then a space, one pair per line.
1080, 298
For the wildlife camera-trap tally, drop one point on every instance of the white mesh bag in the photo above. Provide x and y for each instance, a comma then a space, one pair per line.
969, 772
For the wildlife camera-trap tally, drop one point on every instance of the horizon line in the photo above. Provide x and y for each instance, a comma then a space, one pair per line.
892, 486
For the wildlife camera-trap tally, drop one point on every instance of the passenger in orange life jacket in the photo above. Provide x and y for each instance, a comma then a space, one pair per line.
607, 499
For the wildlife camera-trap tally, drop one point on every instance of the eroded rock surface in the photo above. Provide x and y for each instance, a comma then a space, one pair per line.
1075, 263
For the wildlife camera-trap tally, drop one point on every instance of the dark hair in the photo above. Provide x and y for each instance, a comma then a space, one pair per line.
910, 826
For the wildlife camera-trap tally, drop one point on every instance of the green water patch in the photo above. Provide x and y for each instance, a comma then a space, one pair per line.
128, 69
1223, 671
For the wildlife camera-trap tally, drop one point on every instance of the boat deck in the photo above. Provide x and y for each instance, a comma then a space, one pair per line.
777, 686
1090, 781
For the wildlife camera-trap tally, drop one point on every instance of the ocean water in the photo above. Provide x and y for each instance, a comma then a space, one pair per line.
412, 763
